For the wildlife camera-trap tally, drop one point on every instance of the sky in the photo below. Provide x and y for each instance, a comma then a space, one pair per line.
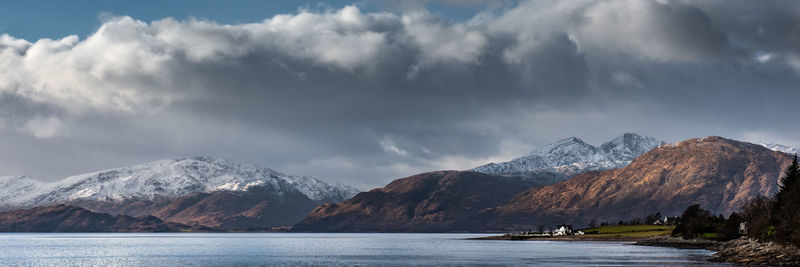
364, 92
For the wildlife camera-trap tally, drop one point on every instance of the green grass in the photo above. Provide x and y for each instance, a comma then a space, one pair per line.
630, 230
709, 235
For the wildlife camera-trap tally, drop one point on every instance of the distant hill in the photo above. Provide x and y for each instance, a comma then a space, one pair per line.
568, 157
65, 218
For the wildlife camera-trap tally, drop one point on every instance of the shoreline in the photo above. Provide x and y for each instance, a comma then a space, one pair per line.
562, 238
741, 251
738, 251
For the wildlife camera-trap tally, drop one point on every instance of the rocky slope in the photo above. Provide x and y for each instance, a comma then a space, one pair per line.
568, 157
718, 173
259, 208
428, 202
65, 218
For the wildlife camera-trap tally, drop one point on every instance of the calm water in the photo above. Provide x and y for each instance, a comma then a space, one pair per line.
292, 249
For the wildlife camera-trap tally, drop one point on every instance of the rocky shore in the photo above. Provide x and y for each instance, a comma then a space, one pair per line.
742, 250
677, 242
749, 251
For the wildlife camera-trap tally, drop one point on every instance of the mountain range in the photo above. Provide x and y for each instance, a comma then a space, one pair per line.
568, 181
568, 157
721, 174
204, 191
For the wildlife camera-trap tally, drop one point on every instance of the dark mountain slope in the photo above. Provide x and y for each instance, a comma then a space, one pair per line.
255, 209
428, 202
65, 218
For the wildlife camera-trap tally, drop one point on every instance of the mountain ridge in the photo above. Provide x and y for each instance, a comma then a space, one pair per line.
570, 156
170, 178
720, 174
427, 202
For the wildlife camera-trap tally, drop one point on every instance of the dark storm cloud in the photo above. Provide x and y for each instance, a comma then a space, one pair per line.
366, 97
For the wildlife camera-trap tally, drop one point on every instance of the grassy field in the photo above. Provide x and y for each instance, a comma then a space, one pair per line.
629, 230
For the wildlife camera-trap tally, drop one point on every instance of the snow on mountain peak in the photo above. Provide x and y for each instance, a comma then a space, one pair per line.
783, 148
628, 146
14, 189
177, 177
572, 155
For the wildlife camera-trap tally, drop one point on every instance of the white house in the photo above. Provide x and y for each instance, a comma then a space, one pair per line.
563, 230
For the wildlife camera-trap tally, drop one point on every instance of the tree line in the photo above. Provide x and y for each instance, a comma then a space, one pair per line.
768, 219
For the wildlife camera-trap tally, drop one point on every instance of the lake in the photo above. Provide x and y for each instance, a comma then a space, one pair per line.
292, 249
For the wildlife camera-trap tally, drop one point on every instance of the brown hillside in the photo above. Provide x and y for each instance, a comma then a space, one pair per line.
428, 202
718, 173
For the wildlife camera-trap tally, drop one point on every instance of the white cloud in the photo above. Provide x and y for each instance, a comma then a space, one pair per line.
440, 41
626, 79
767, 137
17, 45
764, 57
44, 127
662, 31
389, 146
794, 62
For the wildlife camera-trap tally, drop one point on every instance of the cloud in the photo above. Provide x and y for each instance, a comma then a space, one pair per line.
651, 30
364, 97
41, 127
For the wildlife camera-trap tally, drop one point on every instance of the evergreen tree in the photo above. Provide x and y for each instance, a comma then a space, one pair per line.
786, 208
790, 176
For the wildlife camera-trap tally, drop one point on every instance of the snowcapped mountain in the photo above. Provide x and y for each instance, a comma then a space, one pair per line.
165, 179
783, 148
16, 190
567, 157
628, 146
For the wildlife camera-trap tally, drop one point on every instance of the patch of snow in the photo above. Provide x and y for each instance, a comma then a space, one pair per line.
572, 156
165, 178
783, 148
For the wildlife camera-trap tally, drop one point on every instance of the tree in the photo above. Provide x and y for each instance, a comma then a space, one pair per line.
593, 223
790, 176
786, 207
694, 222
756, 215
730, 230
